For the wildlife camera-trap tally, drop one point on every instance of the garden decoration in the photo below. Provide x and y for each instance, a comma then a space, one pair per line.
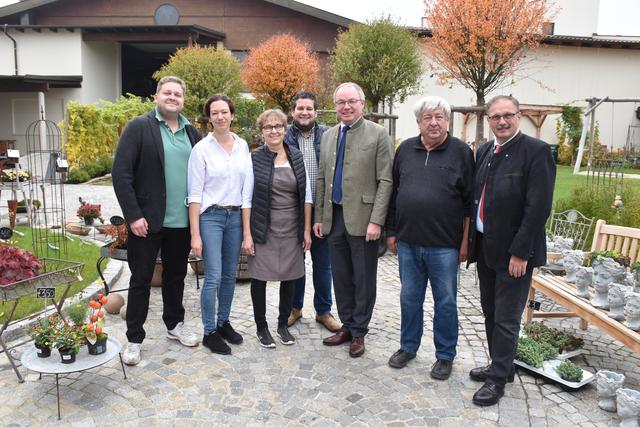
584, 277
114, 304
605, 272
616, 300
559, 244
89, 212
96, 337
632, 311
628, 405
608, 383
67, 339
571, 261
629, 280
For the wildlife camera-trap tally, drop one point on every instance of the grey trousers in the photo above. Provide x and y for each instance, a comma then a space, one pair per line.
354, 266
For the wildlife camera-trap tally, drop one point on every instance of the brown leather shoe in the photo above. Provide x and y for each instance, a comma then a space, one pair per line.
357, 347
339, 338
294, 316
329, 322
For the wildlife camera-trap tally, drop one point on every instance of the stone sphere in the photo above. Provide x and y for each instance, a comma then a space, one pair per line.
123, 312
115, 302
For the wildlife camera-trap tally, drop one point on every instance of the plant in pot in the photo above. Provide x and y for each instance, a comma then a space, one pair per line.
89, 212
68, 340
93, 330
42, 333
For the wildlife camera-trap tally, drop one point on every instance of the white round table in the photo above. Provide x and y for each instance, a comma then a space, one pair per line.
84, 360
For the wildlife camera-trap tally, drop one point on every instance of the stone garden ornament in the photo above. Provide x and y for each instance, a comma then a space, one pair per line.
584, 277
632, 311
628, 403
607, 383
616, 300
605, 272
571, 261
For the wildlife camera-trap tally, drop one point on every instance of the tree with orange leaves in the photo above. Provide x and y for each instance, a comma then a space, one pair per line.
480, 43
279, 68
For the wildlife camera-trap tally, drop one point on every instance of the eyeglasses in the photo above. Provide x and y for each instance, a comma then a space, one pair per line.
507, 117
341, 102
270, 128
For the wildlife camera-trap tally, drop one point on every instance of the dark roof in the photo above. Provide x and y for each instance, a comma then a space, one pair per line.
177, 29
554, 39
24, 5
36, 83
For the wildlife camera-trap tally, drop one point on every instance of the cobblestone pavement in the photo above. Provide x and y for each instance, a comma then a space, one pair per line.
307, 383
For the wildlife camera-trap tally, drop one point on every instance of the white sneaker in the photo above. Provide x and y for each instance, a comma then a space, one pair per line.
131, 354
183, 335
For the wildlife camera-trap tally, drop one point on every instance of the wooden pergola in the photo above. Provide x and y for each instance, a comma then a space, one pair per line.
536, 114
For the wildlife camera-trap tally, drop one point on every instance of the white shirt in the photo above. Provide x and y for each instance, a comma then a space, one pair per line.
218, 178
479, 223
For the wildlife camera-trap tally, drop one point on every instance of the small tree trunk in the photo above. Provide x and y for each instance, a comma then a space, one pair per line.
479, 121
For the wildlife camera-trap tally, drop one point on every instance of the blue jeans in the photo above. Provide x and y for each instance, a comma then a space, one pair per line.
419, 264
321, 278
221, 233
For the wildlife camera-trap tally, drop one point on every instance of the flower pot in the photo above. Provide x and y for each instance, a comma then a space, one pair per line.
99, 347
608, 383
43, 351
88, 220
67, 356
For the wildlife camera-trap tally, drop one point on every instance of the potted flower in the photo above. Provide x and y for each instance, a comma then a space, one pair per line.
68, 340
17, 264
93, 330
42, 333
89, 212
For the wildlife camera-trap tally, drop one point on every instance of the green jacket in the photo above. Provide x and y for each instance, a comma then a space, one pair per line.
366, 180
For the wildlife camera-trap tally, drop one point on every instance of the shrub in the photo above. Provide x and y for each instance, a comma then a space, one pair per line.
244, 124
569, 371
77, 176
205, 70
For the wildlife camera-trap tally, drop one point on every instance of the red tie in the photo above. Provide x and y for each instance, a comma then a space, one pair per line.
497, 150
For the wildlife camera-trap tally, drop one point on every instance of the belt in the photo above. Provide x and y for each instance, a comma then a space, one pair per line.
227, 208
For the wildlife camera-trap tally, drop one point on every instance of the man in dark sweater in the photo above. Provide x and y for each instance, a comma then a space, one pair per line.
427, 227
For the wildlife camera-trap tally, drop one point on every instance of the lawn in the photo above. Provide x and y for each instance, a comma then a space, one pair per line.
566, 181
77, 250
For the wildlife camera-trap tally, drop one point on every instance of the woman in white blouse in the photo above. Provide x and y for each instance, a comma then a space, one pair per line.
220, 186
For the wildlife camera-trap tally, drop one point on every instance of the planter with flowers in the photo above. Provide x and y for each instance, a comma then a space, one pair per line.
93, 330
42, 333
89, 212
68, 339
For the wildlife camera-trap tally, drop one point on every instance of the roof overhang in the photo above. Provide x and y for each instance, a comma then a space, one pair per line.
560, 40
33, 83
135, 33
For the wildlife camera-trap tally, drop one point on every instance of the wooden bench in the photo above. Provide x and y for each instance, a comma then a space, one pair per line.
623, 240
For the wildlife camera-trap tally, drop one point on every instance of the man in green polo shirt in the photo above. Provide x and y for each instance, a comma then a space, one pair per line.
150, 181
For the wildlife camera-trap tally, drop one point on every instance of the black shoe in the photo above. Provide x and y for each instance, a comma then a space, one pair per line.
285, 336
480, 374
400, 358
441, 370
489, 394
228, 333
265, 338
215, 343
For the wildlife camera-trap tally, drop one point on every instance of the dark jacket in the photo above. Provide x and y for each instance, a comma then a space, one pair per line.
138, 170
291, 137
518, 198
432, 193
263, 168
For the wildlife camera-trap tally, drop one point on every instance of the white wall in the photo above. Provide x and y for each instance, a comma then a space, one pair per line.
101, 71
45, 53
576, 17
561, 75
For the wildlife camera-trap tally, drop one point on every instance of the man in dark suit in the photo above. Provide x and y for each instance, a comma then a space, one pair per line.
150, 181
513, 192
352, 195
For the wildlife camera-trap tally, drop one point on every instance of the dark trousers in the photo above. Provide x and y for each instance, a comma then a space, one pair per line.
354, 266
175, 244
503, 299
259, 301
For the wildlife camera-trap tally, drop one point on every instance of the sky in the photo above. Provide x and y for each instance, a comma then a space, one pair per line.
617, 17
